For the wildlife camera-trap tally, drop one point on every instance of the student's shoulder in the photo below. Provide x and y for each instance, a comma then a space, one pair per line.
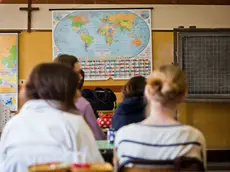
13, 121
72, 117
128, 130
194, 132
83, 101
192, 129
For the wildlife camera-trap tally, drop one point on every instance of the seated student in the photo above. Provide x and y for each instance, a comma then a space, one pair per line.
48, 127
132, 108
160, 136
81, 103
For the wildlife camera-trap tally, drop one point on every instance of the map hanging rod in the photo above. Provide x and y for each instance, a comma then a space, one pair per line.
60, 9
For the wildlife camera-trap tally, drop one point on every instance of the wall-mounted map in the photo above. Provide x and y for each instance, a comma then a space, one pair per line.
9, 69
109, 43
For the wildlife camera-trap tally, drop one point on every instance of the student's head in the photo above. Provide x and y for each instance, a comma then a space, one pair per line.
74, 64
134, 87
166, 86
70, 61
52, 81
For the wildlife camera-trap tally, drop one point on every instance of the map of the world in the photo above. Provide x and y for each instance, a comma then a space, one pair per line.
102, 34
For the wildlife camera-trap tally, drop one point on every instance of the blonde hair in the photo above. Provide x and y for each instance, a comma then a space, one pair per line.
167, 84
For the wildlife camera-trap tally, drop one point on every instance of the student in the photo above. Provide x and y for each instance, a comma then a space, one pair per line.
81, 103
48, 127
132, 108
160, 136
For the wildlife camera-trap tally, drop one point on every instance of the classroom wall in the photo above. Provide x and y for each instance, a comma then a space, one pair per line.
211, 118
163, 16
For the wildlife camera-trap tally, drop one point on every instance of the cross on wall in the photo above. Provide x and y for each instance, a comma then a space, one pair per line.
29, 9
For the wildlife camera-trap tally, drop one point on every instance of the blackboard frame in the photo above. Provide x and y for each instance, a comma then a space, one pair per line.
179, 34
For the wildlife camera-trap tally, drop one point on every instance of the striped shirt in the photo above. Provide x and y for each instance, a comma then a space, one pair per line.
159, 142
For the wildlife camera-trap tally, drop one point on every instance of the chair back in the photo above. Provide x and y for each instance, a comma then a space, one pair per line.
181, 164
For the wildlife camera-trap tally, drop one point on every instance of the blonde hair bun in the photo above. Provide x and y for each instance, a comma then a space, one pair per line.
167, 84
169, 90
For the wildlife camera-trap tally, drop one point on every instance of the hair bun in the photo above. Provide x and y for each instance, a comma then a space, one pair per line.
167, 85
169, 90
156, 84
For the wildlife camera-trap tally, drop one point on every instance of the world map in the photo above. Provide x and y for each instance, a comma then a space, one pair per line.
102, 34
8, 69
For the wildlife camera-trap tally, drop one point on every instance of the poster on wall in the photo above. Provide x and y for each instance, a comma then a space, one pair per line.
112, 43
9, 70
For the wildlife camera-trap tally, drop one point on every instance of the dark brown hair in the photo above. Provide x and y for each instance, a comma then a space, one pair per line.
82, 73
134, 87
52, 81
67, 60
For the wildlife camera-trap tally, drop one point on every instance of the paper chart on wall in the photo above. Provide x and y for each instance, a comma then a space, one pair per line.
9, 69
109, 43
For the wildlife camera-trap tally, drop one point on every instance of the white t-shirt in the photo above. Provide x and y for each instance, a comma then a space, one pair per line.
159, 142
40, 133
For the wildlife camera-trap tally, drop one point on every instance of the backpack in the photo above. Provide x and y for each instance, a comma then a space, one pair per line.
100, 99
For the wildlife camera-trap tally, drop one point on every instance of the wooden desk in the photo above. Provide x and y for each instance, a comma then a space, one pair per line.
104, 145
106, 150
97, 167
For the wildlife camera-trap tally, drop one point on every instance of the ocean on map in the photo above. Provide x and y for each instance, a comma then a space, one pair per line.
101, 34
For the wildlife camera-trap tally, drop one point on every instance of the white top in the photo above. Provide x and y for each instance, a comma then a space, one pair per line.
159, 142
40, 133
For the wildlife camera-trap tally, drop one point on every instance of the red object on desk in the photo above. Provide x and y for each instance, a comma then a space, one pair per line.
80, 165
105, 121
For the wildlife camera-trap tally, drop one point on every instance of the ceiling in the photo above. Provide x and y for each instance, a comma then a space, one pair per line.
196, 2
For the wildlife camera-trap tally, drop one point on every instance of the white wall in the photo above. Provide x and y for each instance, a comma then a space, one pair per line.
163, 16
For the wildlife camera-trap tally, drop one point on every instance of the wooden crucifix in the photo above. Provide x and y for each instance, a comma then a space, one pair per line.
29, 10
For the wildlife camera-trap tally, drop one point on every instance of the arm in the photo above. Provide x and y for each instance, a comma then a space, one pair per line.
204, 153
115, 160
92, 122
87, 143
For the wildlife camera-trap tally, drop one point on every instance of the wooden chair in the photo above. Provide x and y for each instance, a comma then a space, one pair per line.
181, 164
97, 167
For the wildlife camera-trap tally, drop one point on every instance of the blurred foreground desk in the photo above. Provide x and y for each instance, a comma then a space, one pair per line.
106, 150
97, 167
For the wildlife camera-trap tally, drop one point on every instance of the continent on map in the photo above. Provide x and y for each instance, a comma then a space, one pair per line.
87, 39
10, 61
108, 32
79, 21
122, 21
10, 101
136, 42
8, 77
112, 22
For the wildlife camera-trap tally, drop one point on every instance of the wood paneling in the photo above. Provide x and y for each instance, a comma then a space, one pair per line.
188, 2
